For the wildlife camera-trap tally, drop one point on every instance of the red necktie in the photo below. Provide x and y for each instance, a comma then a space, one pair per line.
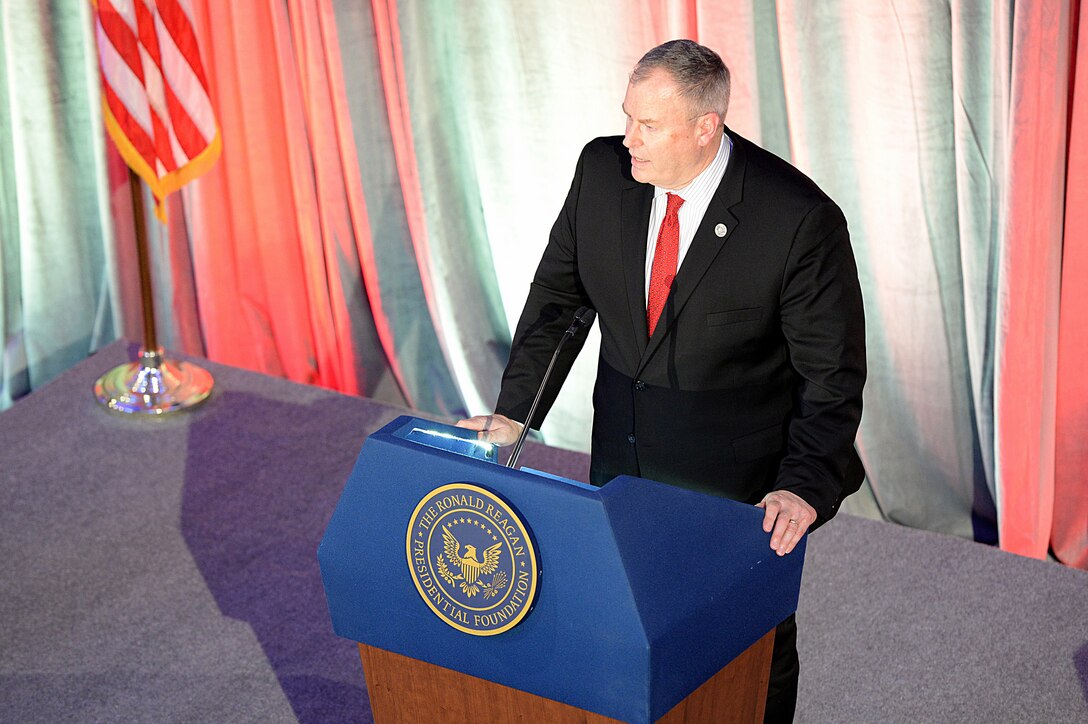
664, 268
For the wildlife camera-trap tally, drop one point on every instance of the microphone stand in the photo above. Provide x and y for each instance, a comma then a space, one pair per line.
582, 318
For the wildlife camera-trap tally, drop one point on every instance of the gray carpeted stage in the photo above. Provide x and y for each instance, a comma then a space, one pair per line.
165, 570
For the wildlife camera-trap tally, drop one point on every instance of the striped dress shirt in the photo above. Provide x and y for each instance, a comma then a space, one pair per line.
696, 195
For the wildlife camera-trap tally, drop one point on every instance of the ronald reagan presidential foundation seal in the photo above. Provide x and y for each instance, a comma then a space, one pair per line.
472, 559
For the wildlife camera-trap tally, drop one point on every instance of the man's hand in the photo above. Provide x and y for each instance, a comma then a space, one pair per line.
497, 429
788, 516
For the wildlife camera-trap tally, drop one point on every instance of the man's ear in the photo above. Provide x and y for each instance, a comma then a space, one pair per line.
706, 125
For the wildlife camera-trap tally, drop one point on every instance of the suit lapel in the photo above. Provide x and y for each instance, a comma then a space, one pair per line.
704, 248
634, 221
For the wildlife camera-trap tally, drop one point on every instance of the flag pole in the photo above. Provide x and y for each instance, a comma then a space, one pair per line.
152, 384
143, 259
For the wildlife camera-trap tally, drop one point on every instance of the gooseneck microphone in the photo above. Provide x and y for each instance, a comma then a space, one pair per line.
582, 318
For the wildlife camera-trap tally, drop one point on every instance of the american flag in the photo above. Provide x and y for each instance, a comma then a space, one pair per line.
155, 93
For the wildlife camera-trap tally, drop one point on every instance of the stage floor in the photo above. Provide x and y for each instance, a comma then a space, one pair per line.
165, 570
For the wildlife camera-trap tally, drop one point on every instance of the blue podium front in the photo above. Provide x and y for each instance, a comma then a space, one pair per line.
634, 595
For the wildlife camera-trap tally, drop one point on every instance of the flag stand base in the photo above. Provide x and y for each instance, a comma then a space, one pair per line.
153, 385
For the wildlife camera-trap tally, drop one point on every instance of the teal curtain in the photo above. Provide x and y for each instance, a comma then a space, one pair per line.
57, 278
895, 109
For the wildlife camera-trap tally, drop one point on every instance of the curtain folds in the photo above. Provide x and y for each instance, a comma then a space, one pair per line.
56, 275
1069, 529
390, 171
1029, 276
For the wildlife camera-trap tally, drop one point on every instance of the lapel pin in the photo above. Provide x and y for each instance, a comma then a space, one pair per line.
720, 230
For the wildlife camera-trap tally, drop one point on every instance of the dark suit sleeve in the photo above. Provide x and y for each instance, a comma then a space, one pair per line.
823, 322
555, 295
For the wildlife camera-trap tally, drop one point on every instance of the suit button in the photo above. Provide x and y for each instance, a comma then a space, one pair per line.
631, 438
640, 385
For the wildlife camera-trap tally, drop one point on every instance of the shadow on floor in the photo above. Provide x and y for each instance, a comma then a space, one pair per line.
253, 524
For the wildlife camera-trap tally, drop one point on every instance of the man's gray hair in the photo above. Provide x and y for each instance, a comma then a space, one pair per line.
698, 71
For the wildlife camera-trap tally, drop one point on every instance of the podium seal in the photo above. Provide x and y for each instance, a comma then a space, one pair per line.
472, 559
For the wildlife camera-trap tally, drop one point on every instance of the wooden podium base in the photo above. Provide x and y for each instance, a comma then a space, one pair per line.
407, 690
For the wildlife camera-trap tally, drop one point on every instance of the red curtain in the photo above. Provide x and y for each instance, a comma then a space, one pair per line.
1069, 536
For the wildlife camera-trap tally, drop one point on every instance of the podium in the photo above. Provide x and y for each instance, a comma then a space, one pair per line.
649, 602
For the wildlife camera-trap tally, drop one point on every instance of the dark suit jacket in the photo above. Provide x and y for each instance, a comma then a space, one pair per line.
752, 380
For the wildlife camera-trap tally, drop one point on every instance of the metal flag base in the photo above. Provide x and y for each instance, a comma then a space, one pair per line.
153, 385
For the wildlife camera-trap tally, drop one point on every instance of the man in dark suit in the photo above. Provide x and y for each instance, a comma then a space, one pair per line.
732, 334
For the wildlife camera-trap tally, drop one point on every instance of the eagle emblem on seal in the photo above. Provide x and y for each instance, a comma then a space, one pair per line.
471, 567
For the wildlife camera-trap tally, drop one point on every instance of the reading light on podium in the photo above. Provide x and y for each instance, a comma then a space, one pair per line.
453, 439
